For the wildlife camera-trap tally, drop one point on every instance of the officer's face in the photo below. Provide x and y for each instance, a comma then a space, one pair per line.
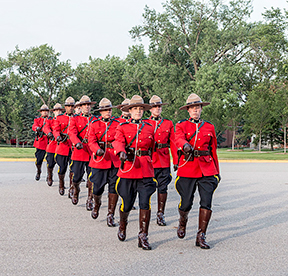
77, 110
69, 109
44, 113
156, 110
195, 111
106, 114
86, 108
57, 112
136, 112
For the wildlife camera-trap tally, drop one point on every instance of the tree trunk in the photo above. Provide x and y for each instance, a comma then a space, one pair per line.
260, 146
285, 139
233, 138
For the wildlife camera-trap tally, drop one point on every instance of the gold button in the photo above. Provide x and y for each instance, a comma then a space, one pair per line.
198, 147
158, 140
139, 140
129, 136
199, 139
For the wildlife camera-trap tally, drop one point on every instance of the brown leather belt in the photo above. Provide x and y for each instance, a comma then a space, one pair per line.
107, 145
197, 153
162, 146
131, 153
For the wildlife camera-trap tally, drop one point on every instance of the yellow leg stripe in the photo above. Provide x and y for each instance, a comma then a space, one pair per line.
155, 181
70, 165
216, 178
179, 205
116, 188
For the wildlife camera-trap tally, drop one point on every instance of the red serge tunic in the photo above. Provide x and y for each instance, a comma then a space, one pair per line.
163, 134
206, 139
51, 147
40, 143
142, 166
60, 125
102, 130
79, 127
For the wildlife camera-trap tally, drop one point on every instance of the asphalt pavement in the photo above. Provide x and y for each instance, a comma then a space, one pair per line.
42, 233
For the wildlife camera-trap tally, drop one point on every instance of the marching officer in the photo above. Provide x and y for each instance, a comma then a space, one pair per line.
198, 167
104, 162
64, 146
164, 139
78, 133
77, 108
51, 147
134, 141
40, 142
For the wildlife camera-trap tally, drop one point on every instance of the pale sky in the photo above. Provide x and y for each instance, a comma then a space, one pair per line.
79, 29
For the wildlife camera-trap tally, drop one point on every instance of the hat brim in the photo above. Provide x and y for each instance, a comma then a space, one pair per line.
188, 105
62, 109
127, 107
105, 108
157, 104
119, 106
79, 104
43, 110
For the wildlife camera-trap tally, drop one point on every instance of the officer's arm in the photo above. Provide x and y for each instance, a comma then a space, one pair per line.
173, 147
73, 131
214, 150
92, 137
35, 124
180, 136
119, 143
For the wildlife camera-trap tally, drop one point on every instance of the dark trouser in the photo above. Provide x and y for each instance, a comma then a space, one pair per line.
62, 162
78, 169
100, 177
39, 154
128, 188
163, 177
186, 188
50, 160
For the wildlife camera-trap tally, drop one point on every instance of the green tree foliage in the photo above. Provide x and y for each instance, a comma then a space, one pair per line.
41, 71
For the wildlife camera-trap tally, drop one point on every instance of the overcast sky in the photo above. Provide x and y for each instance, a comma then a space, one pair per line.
79, 29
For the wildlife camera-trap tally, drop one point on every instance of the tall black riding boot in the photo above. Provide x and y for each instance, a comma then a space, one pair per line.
61, 184
97, 204
89, 202
49, 176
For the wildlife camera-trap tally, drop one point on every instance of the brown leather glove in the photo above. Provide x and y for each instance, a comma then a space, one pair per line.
79, 146
59, 139
50, 135
175, 167
122, 156
187, 148
100, 152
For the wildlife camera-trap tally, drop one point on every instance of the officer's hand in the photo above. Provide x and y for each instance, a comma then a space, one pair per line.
187, 148
175, 167
122, 156
50, 135
59, 139
79, 146
38, 129
218, 177
100, 152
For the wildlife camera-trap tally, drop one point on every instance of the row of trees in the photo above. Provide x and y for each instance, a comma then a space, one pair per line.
208, 48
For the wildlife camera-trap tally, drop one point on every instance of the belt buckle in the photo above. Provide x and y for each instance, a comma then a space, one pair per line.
138, 153
160, 145
196, 153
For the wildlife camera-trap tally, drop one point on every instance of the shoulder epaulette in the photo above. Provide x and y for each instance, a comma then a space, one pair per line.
96, 120
114, 119
207, 122
184, 120
124, 123
147, 123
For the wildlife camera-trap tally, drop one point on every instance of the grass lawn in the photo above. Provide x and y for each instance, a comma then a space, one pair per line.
224, 154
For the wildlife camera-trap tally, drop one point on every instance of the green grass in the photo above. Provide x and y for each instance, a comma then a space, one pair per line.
12, 152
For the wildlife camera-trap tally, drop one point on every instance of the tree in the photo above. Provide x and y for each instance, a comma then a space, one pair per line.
41, 71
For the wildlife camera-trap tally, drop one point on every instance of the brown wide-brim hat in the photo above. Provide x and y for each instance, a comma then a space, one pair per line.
155, 100
57, 106
105, 104
44, 107
85, 100
125, 102
136, 100
193, 100
69, 101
